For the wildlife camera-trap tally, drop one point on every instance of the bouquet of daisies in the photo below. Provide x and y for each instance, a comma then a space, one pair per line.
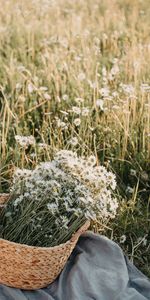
49, 204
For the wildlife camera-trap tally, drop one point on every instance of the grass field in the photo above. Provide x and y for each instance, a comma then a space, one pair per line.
75, 75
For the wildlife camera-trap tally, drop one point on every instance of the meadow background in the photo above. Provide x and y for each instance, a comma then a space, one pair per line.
75, 75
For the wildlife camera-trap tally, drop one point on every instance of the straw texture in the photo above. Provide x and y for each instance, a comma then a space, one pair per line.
29, 267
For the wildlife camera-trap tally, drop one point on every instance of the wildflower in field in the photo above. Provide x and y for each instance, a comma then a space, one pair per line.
61, 124
47, 96
65, 97
73, 141
104, 72
21, 173
25, 141
100, 103
76, 110
33, 155
18, 86
93, 85
122, 239
145, 88
104, 91
81, 77
96, 40
42, 145
129, 190
113, 72
133, 172
111, 179
77, 121
30, 88
85, 111
142, 240
128, 89
144, 176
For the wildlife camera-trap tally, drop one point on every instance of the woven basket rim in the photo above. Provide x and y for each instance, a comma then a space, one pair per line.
24, 246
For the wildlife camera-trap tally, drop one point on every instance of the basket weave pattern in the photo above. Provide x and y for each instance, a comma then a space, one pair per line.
29, 267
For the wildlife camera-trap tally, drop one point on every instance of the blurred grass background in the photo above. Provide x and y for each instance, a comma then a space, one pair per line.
75, 75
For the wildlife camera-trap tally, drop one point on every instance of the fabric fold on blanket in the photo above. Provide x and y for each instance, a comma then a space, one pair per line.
96, 270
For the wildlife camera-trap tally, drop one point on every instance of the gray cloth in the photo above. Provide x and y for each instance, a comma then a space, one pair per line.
96, 270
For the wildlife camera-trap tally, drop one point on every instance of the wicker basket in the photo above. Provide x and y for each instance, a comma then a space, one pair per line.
29, 267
